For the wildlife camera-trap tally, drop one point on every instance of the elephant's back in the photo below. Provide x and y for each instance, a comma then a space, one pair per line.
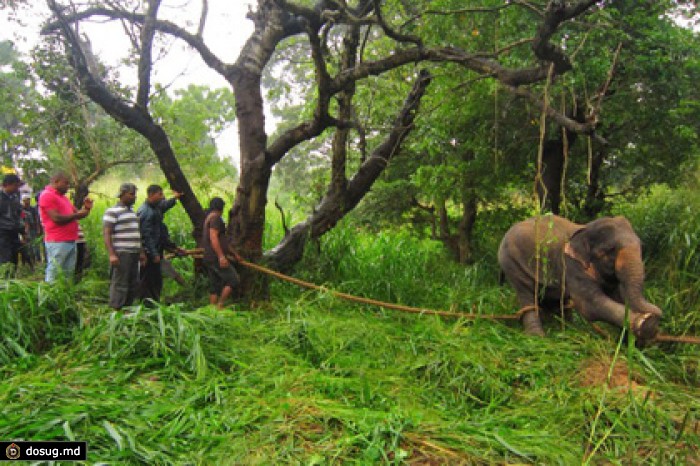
550, 232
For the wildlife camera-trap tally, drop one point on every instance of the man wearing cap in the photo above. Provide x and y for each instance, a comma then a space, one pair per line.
123, 242
10, 221
60, 220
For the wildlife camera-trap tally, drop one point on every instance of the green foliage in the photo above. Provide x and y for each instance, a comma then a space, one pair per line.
193, 118
307, 378
667, 223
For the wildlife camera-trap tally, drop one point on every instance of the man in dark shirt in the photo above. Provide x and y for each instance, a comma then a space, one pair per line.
10, 221
223, 278
155, 240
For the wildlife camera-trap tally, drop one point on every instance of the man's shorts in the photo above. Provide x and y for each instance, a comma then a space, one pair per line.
219, 278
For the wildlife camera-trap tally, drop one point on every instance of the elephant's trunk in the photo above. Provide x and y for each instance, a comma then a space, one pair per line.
629, 269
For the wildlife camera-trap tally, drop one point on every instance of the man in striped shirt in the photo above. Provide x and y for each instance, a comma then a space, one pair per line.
123, 242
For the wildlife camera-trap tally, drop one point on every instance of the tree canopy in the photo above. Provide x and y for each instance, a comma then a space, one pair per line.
459, 107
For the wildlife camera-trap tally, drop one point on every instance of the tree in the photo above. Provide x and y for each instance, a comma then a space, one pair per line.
348, 44
16, 97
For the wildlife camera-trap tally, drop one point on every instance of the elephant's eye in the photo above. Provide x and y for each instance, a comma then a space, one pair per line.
606, 253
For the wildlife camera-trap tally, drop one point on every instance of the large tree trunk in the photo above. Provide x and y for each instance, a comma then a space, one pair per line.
247, 215
554, 153
82, 189
549, 189
595, 199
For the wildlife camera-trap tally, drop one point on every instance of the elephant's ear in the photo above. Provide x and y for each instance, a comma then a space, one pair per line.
580, 246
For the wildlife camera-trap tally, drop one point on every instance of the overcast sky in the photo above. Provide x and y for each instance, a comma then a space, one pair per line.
225, 33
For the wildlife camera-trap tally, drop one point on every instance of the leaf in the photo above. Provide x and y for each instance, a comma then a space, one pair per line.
112, 431
69, 432
510, 447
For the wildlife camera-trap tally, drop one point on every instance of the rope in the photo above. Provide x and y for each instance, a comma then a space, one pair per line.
374, 302
659, 338
689, 339
416, 310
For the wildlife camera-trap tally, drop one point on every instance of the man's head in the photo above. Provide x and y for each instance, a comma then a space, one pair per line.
26, 200
216, 204
11, 183
61, 182
154, 194
127, 194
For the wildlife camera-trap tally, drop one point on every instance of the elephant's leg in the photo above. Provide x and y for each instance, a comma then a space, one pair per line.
597, 306
532, 323
645, 325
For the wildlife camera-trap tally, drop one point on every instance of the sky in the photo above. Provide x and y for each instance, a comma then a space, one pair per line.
226, 30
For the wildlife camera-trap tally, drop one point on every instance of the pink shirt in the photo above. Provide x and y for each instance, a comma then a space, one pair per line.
51, 199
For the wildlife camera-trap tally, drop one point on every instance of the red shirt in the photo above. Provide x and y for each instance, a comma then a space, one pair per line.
51, 199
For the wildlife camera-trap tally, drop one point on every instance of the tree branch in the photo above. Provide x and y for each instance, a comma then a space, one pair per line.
390, 32
572, 125
133, 117
145, 57
557, 12
203, 18
194, 41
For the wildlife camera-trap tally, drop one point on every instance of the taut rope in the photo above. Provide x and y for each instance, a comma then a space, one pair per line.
416, 310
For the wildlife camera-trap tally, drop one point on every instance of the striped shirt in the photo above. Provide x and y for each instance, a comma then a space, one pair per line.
125, 228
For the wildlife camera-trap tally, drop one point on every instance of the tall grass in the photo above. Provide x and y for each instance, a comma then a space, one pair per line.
309, 379
34, 317
397, 267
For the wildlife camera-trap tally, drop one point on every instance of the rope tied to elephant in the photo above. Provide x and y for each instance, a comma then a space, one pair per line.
383, 304
416, 310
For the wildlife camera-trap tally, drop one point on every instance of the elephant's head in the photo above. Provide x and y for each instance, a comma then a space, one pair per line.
614, 251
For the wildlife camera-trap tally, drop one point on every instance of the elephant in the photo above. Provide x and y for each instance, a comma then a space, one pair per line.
598, 266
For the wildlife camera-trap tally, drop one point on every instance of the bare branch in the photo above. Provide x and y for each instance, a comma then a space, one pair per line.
572, 125
283, 217
390, 32
511, 46
203, 18
382, 154
145, 57
167, 27
595, 114
459, 11
103, 169
339, 181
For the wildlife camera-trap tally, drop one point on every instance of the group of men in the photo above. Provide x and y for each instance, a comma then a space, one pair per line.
22, 226
139, 239
135, 241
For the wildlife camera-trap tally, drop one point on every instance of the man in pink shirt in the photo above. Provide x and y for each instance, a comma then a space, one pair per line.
60, 220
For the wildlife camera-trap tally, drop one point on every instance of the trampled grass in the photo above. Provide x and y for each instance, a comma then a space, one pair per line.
308, 379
